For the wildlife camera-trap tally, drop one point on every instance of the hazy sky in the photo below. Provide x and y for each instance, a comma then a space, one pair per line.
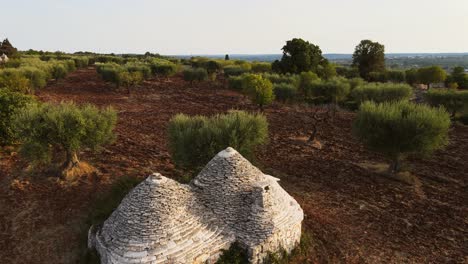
233, 26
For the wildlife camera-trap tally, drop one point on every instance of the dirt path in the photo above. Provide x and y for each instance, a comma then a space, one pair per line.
354, 215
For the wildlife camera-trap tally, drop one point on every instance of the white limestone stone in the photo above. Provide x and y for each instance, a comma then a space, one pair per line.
162, 221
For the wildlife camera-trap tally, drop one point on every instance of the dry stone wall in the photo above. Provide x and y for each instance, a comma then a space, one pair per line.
162, 221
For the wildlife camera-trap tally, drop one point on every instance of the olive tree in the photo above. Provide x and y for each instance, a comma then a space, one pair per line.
130, 79
259, 89
382, 92
194, 140
47, 131
453, 101
397, 129
432, 74
10, 104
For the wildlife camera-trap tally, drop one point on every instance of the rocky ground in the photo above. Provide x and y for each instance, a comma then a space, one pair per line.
353, 214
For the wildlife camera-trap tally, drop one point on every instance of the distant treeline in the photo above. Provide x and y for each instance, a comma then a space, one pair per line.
392, 60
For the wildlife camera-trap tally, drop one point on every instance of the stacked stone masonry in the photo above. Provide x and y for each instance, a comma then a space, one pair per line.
162, 221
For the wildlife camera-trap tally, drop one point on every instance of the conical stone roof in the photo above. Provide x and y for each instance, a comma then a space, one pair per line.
159, 222
253, 205
162, 221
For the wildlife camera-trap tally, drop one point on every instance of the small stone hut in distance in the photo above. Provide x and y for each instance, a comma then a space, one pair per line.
162, 221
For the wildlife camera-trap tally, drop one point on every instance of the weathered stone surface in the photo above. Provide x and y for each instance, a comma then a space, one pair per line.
162, 221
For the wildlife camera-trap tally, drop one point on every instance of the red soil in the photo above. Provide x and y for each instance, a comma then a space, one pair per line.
353, 214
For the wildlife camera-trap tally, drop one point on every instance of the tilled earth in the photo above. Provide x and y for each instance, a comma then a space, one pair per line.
354, 215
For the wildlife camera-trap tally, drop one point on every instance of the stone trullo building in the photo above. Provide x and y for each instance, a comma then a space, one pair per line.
162, 221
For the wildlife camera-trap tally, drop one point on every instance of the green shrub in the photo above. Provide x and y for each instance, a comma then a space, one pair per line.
306, 79
12, 63
259, 89
110, 72
14, 80
382, 92
396, 76
378, 77
453, 101
333, 91
195, 74
193, 141
37, 77
130, 79
10, 104
81, 62
142, 68
235, 83
47, 130
283, 78
432, 74
326, 71
285, 92
163, 68
59, 71
260, 67
400, 128
234, 70
356, 82
69, 65
109, 59
347, 72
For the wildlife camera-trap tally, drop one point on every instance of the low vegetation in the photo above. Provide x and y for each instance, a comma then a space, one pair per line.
381, 92
11, 103
453, 101
194, 140
51, 133
397, 129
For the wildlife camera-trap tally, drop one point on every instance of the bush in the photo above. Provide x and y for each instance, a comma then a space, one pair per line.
130, 79
143, 69
347, 72
59, 71
283, 78
195, 74
47, 130
306, 79
377, 77
382, 92
331, 91
235, 82
411, 76
37, 77
193, 141
260, 67
110, 72
400, 128
69, 65
356, 82
326, 71
453, 101
234, 70
396, 76
164, 69
432, 74
259, 89
81, 62
10, 104
14, 80
285, 92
